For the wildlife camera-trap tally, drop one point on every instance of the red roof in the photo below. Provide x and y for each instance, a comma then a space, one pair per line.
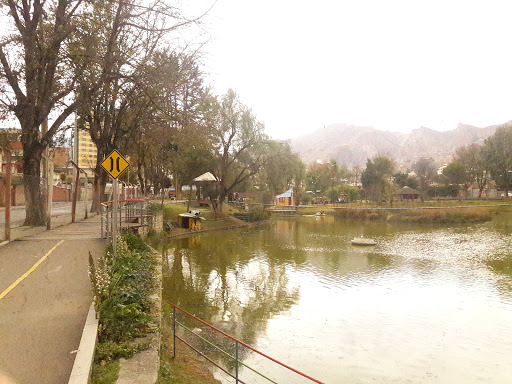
16, 145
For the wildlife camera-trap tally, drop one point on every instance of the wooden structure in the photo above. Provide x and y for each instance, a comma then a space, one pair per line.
190, 220
408, 193
285, 198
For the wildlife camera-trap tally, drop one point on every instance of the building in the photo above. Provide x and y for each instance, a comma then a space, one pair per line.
87, 151
407, 193
16, 158
285, 198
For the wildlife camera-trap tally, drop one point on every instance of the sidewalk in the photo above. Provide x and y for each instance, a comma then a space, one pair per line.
45, 295
58, 219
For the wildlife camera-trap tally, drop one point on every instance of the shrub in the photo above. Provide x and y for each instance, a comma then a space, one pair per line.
121, 286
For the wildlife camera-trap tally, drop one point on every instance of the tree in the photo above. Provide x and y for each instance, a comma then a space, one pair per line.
404, 179
472, 158
127, 65
425, 170
355, 174
175, 137
241, 145
319, 177
283, 169
456, 173
36, 69
497, 156
333, 194
351, 192
376, 178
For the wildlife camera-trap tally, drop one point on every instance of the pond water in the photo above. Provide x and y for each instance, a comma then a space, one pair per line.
428, 304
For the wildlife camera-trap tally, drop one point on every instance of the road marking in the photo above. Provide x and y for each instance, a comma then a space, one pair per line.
13, 285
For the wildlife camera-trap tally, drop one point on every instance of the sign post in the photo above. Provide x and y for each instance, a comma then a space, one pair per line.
114, 164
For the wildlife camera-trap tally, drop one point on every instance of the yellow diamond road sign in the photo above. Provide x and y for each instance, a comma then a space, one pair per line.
115, 164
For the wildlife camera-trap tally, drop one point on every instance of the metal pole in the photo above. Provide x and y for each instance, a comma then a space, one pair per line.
114, 218
8, 195
107, 228
174, 331
236, 361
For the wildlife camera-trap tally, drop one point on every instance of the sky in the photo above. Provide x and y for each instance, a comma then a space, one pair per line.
394, 65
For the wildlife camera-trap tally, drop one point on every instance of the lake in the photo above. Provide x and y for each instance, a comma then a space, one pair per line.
428, 304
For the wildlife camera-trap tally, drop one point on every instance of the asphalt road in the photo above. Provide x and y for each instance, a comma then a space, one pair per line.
42, 317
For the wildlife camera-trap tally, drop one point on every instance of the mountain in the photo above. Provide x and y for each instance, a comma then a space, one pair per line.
352, 145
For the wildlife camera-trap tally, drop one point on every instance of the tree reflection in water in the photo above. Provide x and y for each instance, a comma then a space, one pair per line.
236, 288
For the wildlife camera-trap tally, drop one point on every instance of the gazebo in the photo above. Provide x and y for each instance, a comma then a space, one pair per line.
408, 193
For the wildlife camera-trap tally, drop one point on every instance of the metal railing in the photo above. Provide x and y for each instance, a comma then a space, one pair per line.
235, 358
132, 214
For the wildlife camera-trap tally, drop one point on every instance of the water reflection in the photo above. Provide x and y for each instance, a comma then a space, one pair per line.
427, 304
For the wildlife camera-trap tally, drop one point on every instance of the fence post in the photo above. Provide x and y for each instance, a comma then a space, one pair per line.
7, 152
107, 228
174, 331
236, 361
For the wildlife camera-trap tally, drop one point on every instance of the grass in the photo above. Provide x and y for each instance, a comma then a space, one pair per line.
475, 211
104, 373
213, 220
171, 210
187, 367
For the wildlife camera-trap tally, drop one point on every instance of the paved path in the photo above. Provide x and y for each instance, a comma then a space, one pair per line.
42, 317
60, 210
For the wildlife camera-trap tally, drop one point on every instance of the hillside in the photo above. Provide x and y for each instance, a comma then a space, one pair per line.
353, 145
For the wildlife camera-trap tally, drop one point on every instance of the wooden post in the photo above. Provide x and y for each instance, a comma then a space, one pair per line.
98, 191
85, 187
75, 195
8, 195
49, 194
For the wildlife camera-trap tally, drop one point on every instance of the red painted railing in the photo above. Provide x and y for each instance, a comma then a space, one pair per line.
238, 342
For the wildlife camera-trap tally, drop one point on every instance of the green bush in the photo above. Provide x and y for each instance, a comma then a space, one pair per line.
134, 242
255, 214
156, 207
122, 286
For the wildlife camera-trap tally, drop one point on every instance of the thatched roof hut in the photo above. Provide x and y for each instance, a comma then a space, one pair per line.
408, 193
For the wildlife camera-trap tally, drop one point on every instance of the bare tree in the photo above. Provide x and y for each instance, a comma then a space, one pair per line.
129, 34
38, 80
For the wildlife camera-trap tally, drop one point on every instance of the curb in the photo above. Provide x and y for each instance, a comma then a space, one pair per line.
84, 357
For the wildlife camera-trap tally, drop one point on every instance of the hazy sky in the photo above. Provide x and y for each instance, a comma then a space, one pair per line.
394, 65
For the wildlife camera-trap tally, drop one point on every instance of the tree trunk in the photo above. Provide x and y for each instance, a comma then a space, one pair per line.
103, 181
34, 204
222, 195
